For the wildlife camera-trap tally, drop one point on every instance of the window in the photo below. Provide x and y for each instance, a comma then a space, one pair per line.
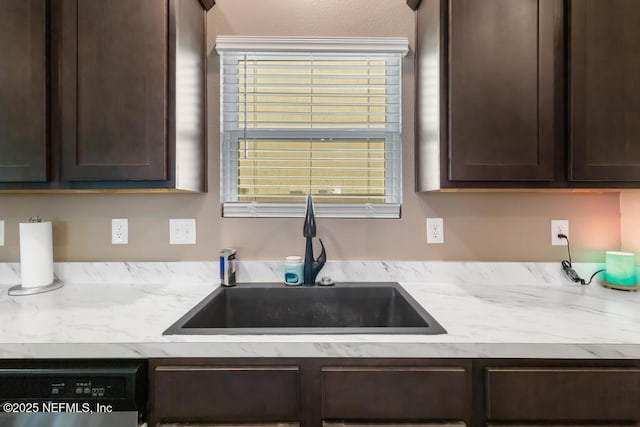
311, 116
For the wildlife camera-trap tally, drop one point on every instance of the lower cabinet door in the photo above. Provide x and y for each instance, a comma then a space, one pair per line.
333, 424
233, 425
563, 395
223, 395
399, 394
561, 425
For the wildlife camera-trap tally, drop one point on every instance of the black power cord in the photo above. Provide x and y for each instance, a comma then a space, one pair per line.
568, 268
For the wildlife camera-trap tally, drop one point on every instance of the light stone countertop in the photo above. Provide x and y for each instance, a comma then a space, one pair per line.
501, 310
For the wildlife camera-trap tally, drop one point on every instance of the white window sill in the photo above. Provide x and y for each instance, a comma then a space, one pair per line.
321, 210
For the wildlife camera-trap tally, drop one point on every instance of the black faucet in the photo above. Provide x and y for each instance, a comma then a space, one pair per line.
311, 266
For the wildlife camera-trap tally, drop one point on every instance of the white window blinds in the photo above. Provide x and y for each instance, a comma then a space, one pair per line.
311, 116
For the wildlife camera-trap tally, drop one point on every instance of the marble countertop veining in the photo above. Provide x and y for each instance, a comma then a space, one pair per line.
519, 310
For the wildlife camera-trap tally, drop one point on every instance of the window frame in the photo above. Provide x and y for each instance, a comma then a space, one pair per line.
237, 45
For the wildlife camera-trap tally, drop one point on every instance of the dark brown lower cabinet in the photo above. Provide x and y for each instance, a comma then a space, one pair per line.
325, 424
233, 425
571, 396
363, 392
309, 392
226, 393
412, 393
559, 425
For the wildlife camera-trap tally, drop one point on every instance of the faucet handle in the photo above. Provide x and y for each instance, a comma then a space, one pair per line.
322, 258
318, 263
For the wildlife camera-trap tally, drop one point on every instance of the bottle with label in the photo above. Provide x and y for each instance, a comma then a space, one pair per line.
293, 271
228, 267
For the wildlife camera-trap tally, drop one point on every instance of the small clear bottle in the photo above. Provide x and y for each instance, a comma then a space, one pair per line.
293, 271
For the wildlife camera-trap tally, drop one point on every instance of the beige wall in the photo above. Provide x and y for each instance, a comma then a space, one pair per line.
478, 226
630, 222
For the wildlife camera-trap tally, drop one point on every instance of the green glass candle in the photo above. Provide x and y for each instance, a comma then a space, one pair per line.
620, 268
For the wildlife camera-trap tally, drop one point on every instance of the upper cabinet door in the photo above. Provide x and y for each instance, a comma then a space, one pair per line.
23, 100
604, 96
502, 80
112, 59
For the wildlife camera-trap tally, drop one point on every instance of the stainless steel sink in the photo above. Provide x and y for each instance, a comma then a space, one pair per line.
272, 308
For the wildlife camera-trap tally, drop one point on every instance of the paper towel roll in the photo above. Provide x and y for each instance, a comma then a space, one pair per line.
36, 254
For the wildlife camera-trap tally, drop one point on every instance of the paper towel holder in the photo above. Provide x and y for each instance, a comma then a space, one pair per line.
19, 290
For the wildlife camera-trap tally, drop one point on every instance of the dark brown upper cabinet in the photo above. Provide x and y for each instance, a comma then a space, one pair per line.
500, 85
23, 88
113, 90
604, 91
126, 94
501, 90
130, 92
528, 94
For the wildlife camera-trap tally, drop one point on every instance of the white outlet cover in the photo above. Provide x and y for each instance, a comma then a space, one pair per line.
1, 233
559, 226
435, 231
182, 231
119, 231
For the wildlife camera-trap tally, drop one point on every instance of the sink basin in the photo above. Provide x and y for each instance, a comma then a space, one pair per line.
273, 308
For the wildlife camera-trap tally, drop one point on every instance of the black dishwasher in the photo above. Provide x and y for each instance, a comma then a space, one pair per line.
72, 393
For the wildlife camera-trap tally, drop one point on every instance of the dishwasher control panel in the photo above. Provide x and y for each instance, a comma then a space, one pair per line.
116, 388
95, 388
56, 386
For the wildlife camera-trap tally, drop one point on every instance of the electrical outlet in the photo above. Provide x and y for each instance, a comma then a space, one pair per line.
1, 232
182, 231
119, 231
435, 230
559, 226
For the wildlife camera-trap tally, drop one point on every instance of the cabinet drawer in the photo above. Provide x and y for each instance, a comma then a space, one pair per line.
227, 393
559, 425
581, 394
407, 393
325, 424
238, 425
